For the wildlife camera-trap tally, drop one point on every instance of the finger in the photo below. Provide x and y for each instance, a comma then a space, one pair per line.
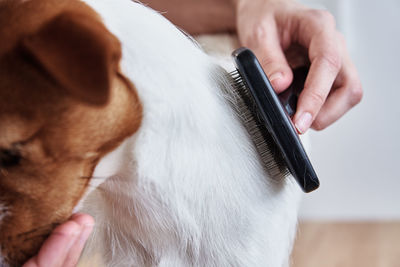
266, 45
56, 247
342, 99
75, 252
325, 58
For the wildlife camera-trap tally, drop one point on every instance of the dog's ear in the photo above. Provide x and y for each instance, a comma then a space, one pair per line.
79, 53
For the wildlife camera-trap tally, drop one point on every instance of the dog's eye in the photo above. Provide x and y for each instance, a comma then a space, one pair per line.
9, 157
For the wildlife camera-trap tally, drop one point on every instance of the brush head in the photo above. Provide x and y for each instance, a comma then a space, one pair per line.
269, 124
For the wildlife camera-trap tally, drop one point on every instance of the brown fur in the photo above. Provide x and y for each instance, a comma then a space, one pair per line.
63, 105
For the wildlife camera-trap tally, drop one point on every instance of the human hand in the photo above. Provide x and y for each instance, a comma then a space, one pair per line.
64, 246
285, 34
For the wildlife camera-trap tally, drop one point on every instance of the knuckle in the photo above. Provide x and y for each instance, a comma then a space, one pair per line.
254, 34
317, 98
356, 94
328, 18
259, 32
321, 17
332, 59
266, 61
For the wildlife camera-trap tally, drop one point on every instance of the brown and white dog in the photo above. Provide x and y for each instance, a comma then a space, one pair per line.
108, 108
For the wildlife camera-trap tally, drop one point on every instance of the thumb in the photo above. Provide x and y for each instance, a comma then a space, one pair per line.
268, 50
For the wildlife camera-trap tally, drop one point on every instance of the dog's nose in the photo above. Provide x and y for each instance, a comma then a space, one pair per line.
9, 158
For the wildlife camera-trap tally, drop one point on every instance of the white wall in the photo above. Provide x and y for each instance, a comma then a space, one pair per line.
358, 158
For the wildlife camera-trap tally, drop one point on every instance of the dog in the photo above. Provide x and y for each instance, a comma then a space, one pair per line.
109, 109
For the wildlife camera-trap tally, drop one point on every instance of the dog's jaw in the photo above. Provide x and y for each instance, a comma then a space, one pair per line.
108, 166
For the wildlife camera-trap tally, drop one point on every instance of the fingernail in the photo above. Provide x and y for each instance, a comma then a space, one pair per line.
304, 122
275, 77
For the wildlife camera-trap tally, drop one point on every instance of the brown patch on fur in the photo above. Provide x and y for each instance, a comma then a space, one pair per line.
63, 106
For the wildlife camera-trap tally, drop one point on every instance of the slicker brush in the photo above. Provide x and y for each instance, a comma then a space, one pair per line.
266, 117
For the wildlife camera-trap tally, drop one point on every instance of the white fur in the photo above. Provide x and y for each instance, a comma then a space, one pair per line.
188, 188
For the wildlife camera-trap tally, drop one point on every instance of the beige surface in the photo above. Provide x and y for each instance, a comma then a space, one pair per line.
347, 245
337, 245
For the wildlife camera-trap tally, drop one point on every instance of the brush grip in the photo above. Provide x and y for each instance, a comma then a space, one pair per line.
275, 119
290, 96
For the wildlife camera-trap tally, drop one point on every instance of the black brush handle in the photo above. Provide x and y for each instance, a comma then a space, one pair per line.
276, 120
290, 96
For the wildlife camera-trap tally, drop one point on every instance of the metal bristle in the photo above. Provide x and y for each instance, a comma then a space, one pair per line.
273, 161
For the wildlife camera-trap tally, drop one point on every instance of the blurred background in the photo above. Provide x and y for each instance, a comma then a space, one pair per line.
353, 219
358, 157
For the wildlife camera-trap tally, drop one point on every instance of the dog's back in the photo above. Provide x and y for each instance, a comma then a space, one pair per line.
187, 189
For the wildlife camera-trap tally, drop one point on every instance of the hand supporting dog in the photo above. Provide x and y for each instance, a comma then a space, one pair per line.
64, 246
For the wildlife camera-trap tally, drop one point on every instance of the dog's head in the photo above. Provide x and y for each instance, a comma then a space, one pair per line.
63, 105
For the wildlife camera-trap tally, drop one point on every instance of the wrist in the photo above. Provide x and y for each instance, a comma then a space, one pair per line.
239, 3
197, 17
